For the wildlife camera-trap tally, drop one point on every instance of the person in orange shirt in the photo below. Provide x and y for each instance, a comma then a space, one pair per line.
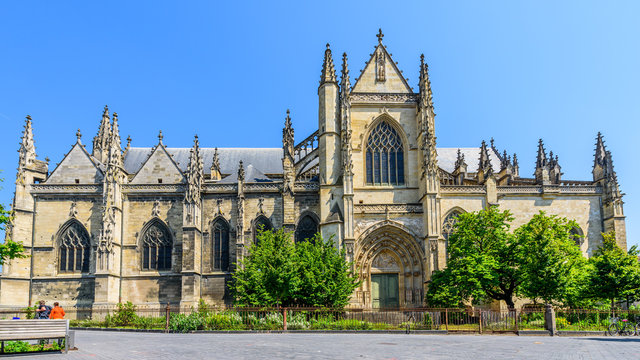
57, 312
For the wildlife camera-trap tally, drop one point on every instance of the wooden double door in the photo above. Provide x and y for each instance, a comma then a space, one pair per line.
385, 292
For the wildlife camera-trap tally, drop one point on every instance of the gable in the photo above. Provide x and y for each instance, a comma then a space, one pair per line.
159, 168
392, 79
76, 168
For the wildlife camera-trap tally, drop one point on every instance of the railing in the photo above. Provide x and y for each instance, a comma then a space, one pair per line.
172, 317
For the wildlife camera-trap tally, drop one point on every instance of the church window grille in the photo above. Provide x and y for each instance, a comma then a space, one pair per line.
75, 248
261, 224
156, 247
220, 245
306, 229
384, 156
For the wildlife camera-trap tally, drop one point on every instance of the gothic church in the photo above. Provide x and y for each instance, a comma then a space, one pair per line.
166, 224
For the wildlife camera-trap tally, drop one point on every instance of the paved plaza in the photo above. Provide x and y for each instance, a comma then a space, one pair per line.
129, 345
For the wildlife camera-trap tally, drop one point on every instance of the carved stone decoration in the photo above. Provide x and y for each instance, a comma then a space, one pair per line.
380, 65
219, 205
155, 211
385, 261
73, 211
260, 206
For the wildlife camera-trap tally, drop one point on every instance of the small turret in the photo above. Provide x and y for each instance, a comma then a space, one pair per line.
460, 171
192, 204
27, 151
555, 171
485, 169
101, 140
288, 167
542, 166
516, 166
216, 174
599, 159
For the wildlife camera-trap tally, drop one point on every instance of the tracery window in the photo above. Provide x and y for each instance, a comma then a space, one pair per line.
75, 248
384, 156
306, 229
220, 236
261, 223
448, 226
156, 247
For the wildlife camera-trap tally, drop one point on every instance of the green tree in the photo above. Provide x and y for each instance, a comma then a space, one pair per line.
268, 273
326, 278
615, 273
550, 259
279, 272
483, 260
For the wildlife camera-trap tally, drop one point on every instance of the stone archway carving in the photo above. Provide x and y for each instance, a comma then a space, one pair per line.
389, 247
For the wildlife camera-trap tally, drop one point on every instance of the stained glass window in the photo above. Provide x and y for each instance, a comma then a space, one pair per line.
384, 156
75, 248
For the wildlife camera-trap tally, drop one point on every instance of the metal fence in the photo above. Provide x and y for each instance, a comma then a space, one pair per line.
472, 320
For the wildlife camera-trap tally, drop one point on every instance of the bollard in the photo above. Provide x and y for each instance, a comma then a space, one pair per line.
167, 315
284, 319
446, 319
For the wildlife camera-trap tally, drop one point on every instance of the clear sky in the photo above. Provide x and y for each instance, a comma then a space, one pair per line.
512, 70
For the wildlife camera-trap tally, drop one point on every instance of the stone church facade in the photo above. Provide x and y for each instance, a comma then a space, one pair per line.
165, 224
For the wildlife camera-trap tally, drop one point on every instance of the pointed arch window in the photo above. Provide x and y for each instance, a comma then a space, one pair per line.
577, 235
448, 226
261, 223
75, 248
157, 245
220, 237
306, 229
384, 156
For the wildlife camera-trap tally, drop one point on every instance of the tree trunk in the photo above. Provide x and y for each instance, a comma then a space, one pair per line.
509, 301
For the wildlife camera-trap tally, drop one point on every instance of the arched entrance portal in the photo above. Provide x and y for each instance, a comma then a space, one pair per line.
391, 265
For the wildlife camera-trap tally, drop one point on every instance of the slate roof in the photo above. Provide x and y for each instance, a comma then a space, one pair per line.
268, 160
261, 161
447, 158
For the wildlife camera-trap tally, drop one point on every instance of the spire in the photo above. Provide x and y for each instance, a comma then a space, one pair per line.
460, 160
27, 149
345, 83
541, 159
460, 170
287, 135
485, 162
240, 171
216, 174
194, 174
126, 150
101, 140
505, 160
516, 166
426, 96
328, 70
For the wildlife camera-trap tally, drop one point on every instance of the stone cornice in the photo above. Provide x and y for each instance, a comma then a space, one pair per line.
397, 98
387, 208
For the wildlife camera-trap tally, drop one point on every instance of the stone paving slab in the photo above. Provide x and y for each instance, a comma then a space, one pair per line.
121, 345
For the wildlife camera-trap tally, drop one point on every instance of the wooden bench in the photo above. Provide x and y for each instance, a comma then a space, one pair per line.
11, 330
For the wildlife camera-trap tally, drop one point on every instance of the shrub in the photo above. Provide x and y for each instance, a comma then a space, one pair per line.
125, 315
224, 321
561, 323
185, 323
17, 347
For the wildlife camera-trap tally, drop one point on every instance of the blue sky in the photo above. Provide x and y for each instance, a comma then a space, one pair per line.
513, 70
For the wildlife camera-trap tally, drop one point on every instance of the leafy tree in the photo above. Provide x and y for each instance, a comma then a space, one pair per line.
483, 260
268, 276
615, 273
279, 272
326, 278
550, 260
